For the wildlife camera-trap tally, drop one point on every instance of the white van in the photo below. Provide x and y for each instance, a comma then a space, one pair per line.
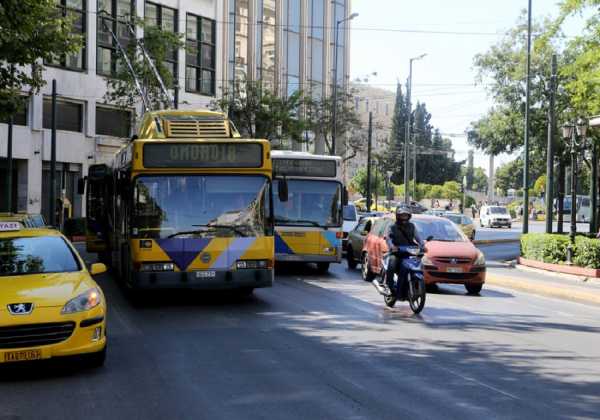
350, 222
492, 216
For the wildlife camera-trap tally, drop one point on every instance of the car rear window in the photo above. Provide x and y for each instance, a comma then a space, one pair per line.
439, 230
35, 255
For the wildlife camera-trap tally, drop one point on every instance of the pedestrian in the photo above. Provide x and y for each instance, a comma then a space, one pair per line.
473, 210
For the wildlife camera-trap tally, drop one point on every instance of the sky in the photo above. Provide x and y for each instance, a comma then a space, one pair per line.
445, 78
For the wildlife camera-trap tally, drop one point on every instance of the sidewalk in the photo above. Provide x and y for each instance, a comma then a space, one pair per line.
561, 286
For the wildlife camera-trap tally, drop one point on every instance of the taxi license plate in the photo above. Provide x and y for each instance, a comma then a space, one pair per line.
22, 355
454, 270
206, 274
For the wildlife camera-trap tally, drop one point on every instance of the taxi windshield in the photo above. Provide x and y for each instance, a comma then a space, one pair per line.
36, 255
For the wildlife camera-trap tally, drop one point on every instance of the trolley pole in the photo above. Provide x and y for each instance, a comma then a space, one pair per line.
9, 165
550, 150
526, 151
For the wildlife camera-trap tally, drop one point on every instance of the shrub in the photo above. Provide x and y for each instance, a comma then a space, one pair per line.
552, 248
74, 227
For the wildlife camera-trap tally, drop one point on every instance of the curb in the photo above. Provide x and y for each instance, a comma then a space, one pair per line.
560, 292
495, 241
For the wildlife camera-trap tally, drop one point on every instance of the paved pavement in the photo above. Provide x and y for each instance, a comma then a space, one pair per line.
325, 347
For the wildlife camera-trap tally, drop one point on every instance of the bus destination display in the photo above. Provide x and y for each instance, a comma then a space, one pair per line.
305, 167
214, 155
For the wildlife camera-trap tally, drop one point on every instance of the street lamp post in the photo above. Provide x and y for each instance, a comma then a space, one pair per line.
407, 129
570, 133
334, 90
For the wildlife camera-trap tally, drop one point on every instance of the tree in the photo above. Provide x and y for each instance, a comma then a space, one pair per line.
503, 69
31, 32
359, 182
479, 181
259, 113
121, 88
319, 112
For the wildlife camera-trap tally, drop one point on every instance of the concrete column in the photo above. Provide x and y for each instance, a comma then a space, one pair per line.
491, 180
34, 180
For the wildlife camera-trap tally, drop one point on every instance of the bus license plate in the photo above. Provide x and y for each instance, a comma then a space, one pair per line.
454, 270
23, 355
206, 274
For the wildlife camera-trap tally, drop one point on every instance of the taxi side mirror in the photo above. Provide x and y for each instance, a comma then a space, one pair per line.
97, 268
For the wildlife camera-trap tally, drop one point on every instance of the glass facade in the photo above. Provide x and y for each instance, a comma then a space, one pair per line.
238, 37
266, 43
316, 36
291, 35
339, 13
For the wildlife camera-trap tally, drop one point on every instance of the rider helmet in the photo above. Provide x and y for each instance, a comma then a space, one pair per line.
403, 211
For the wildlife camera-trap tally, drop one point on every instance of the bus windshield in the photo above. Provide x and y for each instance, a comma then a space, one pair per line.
310, 203
200, 205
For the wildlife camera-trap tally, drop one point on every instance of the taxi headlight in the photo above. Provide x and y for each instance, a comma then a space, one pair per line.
84, 302
480, 260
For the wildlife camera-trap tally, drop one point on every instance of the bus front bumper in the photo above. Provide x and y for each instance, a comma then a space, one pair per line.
307, 258
204, 280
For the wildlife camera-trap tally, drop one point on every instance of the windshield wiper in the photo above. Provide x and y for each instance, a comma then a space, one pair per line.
187, 232
234, 228
286, 220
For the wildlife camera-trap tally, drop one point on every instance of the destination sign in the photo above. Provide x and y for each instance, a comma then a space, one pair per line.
305, 167
213, 155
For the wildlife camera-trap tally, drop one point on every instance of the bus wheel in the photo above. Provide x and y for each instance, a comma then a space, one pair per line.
323, 267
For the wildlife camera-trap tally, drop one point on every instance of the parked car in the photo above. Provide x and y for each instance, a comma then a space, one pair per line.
356, 239
465, 223
351, 218
450, 257
492, 216
50, 306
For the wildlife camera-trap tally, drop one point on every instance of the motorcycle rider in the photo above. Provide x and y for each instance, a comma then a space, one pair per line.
402, 233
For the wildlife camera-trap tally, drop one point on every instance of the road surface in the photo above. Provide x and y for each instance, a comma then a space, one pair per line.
325, 347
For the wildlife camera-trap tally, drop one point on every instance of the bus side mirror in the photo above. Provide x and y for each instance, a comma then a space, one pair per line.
345, 196
81, 186
282, 190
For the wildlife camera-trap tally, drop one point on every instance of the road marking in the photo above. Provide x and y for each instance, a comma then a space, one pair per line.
468, 378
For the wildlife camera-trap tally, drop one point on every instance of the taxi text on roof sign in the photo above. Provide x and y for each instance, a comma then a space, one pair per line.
9, 226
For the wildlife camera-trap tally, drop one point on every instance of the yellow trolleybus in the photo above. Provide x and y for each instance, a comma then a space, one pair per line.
188, 204
309, 224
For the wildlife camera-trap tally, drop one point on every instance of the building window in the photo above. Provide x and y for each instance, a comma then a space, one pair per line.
117, 15
75, 11
266, 40
238, 38
292, 45
20, 117
166, 19
112, 122
69, 115
200, 55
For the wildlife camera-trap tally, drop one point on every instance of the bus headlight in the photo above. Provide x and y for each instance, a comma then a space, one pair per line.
252, 264
157, 267
84, 302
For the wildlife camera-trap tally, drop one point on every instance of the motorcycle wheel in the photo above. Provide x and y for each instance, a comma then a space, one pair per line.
416, 294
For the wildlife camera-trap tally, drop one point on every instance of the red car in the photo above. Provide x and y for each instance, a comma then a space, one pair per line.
450, 257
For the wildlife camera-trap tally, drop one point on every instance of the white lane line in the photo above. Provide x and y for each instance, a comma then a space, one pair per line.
470, 379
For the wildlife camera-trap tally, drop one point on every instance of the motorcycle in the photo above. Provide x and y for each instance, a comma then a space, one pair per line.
413, 289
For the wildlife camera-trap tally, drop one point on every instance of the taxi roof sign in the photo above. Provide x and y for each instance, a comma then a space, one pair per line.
9, 226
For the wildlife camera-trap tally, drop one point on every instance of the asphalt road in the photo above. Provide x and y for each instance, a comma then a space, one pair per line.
325, 347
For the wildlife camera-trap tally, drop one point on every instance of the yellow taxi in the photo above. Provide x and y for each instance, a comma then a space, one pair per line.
49, 304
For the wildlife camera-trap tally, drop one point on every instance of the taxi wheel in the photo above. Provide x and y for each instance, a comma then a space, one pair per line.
473, 289
352, 263
367, 274
96, 360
